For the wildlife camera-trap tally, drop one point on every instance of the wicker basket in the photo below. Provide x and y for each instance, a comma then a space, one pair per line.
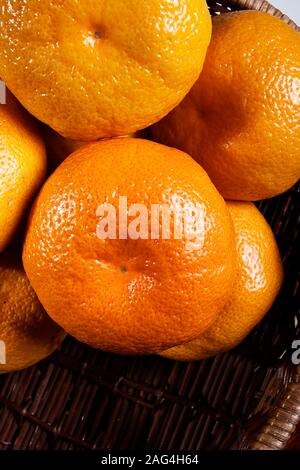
249, 398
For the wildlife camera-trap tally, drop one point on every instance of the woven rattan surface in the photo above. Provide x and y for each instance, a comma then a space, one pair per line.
81, 398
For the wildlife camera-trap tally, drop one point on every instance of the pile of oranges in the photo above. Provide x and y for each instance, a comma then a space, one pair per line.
122, 120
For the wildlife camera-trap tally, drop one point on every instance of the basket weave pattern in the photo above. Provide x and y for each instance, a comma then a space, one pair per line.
81, 398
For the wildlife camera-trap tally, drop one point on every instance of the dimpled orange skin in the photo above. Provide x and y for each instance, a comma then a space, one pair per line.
22, 166
128, 296
241, 120
26, 330
93, 69
258, 280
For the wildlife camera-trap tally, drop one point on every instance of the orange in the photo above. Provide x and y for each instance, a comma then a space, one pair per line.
27, 334
139, 292
22, 166
241, 119
258, 280
103, 68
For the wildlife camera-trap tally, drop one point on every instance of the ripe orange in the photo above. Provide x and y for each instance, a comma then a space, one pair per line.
27, 334
241, 119
129, 295
258, 280
102, 68
22, 166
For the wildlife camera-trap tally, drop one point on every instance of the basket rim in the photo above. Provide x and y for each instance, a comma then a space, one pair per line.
262, 5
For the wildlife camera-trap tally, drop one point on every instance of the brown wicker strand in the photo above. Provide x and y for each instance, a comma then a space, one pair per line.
283, 420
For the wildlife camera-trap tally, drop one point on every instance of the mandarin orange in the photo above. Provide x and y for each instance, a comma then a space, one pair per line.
104, 68
27, 334
22, 166
121, 292
259, 277
241, 120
